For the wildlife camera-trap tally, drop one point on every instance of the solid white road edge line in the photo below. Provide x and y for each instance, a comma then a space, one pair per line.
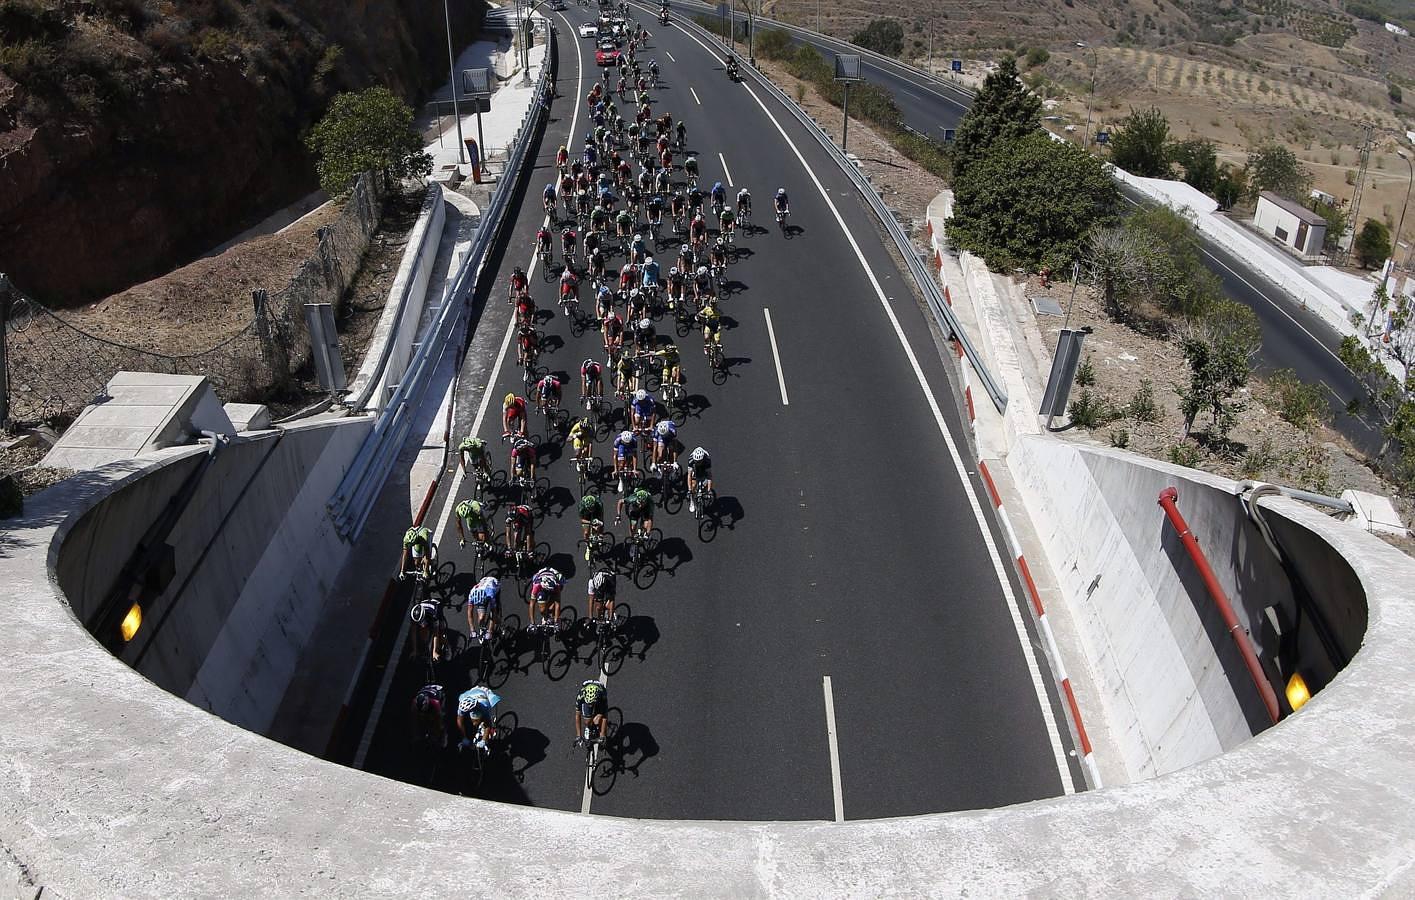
830, 733
1068, 783
381, 698
776, 355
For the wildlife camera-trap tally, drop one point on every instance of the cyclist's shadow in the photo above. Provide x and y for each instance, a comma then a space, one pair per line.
630, 746
675, 549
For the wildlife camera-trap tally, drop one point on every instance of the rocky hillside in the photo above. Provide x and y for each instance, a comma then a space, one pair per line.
135, 134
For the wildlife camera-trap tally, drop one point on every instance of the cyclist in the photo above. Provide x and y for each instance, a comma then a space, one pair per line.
665, 444
624, 370
562, 157
591, 708
717, 253
567, 243
601, 594
712, 329
429, 722
527, 345
638, 250
613, 328
627, 275
472, 452
626, 456
650, 272
519, 286
542, 245
699, 472
472, 520
526, 311
513, 416
431, 627
678, 208
569, 287
547, 199
695, 199
476, 717
591, 511
744, 205
520, 529
782, 204
604, 302
599, 221
643, 410
702, 284
697, 231
731, 67
582, 438
675, 287
726, 223
547, 394
718, 195
681, 133
523, 458
417, 548
690, 168
545, 597
591, 380
638, 506
484, 608
596, 258
663, 181
672, 365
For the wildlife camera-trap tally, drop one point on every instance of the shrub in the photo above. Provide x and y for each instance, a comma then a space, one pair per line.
1186, 455
1090, 410
369, 130
1120, 438
1258, 460
1037, 56
882, 36
1142, 406
1086, 373
773, 43
1296, 401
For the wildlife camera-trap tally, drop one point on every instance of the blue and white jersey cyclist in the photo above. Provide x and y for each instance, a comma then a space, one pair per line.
484, 607
476, 717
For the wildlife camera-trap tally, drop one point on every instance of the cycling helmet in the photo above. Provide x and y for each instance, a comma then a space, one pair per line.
698, 454
421, 613
717, 186
517, 271
702, 270
645, 326
647, 259
673, 271
465, 705
685, 249
601, 580
587, 363
664, 427
423, 702
721, 242
626, 436
781, 192
636, 293
641, 395
510, 398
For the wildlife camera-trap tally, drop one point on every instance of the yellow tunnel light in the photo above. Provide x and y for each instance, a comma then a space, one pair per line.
131, 623
1297, 693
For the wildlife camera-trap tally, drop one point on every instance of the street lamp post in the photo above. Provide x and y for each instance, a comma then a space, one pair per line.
1091, 96
1410, 181
452, 75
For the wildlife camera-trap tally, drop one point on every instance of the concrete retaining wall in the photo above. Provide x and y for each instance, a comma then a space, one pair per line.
111, 787
254, 554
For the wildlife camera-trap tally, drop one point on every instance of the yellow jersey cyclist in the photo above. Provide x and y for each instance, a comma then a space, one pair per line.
638, 506
672, 365
472, 520
582, 438
484, 608
473, 455
591, 709
712, 328
417, 549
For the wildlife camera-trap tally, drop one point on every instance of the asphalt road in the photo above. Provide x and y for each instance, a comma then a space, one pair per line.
1293, 337
845, 543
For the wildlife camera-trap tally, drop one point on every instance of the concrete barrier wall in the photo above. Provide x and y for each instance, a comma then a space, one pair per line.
254, 556
400, 324
109, 784
1174, 687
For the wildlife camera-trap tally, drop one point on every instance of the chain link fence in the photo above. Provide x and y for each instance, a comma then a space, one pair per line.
52, 368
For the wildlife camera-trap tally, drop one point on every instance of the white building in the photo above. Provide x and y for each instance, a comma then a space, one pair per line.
1293, 225
1396, 29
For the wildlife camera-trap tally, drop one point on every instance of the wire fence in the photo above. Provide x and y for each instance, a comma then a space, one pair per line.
53, 368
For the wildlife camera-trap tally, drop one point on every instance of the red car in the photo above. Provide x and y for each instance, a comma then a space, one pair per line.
607, 54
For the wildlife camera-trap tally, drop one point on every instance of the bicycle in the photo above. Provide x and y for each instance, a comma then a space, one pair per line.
636, 544
781, 216
493, 741
544, 632
587, 469
669, 476
599, 547
703, 498
605, 628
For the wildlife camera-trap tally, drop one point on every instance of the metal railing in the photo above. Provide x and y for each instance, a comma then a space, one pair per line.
353, 500
928, 283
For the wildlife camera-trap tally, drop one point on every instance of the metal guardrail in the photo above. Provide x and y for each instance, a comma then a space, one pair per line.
353, 500
928, 284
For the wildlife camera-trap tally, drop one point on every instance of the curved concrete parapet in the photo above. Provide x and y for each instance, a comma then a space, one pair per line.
112, 787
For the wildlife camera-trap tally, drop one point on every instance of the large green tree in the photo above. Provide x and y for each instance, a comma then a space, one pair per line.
371, 130
882, 36
1199, 159
1372, 244
1003, 110
1141, 145
1275, 168
1030, 202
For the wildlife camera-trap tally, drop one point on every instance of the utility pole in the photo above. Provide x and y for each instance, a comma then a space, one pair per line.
931, 54
4, 358
452, 74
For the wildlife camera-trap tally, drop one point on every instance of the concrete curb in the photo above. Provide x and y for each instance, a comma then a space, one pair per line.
1054, 658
